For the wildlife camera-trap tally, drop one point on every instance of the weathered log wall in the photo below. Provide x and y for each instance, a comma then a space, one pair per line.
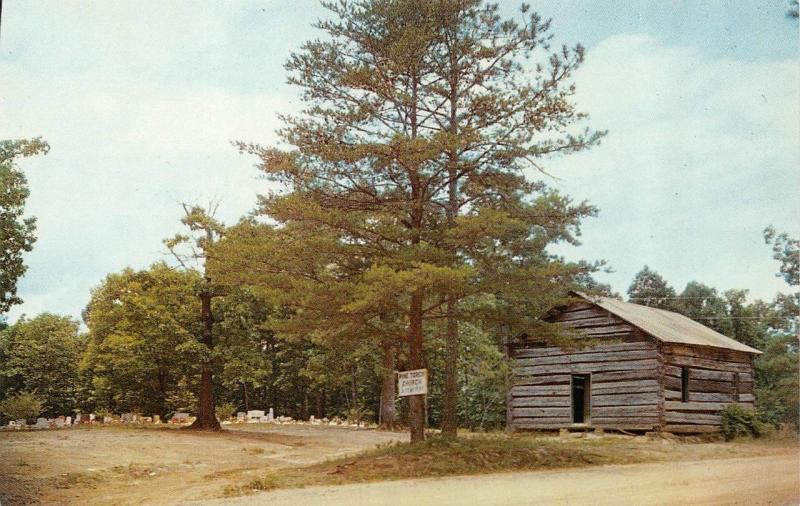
717, 378
624, 369
635, 379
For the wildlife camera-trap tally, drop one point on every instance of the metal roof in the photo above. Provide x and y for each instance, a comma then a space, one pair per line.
667, 326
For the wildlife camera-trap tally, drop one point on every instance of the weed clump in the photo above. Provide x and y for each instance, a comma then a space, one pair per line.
740, 422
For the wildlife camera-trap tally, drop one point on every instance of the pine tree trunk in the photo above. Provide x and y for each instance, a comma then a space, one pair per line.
206, 419
246, 400
388, 416
416, 403
450, 405
356, 406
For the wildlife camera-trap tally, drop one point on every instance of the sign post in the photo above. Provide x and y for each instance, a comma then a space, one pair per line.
412, 382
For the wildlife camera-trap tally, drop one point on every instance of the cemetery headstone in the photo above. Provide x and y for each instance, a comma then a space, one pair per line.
255, 415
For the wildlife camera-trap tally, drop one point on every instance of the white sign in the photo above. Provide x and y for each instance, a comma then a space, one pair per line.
412, 382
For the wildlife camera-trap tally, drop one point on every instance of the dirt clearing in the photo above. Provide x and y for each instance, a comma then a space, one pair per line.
121, 465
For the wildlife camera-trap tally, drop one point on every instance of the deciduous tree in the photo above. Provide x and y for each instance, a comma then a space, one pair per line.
143, 346
191, 251
650, 289
41, 356
16, 232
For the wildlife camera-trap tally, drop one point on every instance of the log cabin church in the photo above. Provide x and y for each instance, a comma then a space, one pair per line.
647, 370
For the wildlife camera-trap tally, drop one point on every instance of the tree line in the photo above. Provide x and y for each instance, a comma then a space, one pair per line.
141, 353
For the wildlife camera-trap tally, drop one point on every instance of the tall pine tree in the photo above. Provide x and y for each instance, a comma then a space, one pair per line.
413, 158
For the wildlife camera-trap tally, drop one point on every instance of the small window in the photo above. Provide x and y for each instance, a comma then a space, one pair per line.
684, 384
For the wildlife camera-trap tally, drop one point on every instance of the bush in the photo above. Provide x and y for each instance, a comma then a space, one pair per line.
224, 411
24, 405
737, 421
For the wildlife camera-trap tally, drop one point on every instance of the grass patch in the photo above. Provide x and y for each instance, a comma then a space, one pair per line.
438, 457
254, 451
77, 479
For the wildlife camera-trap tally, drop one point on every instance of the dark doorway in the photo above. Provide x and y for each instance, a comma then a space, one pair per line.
581, 393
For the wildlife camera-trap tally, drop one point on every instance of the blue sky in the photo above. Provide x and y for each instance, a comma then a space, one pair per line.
140, 100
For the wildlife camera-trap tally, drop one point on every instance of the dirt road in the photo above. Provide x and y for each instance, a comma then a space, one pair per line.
747, 481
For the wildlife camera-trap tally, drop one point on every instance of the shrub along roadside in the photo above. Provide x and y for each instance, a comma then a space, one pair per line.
23, 405
738, 421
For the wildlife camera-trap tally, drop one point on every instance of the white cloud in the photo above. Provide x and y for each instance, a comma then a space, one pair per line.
126, 145
701, 156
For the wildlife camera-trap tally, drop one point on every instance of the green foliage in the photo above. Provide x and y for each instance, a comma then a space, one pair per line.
21, 406
41, 355
181, 396
778, 382
785, 250
702, 303
224, 410
143, 353
650, 289
242, 330
740, 422
482, 375
483, 385
16, 233
728, 314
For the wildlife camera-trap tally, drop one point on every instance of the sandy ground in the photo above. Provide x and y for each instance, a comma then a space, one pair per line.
744, 481
119, 465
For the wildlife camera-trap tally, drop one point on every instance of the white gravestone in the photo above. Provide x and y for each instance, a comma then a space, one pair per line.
255, 415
